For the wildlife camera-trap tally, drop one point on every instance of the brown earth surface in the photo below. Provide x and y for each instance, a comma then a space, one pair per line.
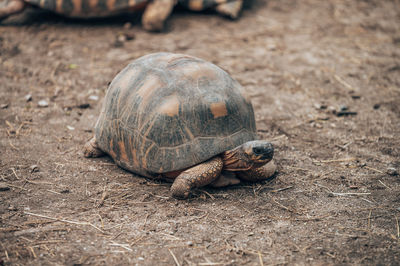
324, 78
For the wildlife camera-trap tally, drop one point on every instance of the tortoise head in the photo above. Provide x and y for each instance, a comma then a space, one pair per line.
249, 155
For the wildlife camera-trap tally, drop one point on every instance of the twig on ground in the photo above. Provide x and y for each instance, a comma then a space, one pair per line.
12, 145
211, 263
260, 258
174, 257
350, 193
145, 220
284, 207
33, 252
208, 194
15, 174
136, 240
124, 246
373, 169
343, 82
281, 189
369, 220
336, 160
383, 184
65, 221
10, 185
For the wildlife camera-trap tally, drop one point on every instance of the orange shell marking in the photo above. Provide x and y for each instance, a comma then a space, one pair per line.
93, 4
195, 72
77, 7
151, 84
123, 156
218, 109
170, 107
196, 5
59, 6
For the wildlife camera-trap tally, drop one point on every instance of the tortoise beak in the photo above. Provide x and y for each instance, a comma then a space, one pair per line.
263, 151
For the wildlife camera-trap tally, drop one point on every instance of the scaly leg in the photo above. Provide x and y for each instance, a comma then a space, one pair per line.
11, 7
155, 14
258, 174
91, 149
197, 176
230, 9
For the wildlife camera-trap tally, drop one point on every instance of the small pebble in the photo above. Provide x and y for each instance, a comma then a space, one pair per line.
43, 103
141, 258
12, 208
4, 106
121, 38
34, 168
28, 97
331, 109
344, 108
94, 97
127, 25
4, 187
346, 113
70, 128
392, 171
83, 105
189, 243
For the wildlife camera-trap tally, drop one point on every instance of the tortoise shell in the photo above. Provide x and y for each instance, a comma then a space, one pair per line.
100, 8
166, 112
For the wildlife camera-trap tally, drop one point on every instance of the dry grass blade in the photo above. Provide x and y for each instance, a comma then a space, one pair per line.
124, 246
343, 82
65, 221
174, 257
373, 169
211, 263
337, 160
350, 193
369, 220
260, 258
281, 189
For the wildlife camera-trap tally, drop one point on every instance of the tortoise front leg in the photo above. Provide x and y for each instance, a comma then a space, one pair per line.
197, 176
258, 174
11, 7
155, 14
230, 9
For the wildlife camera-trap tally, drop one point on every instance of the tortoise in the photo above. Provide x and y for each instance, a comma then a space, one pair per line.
155, 11
183, 119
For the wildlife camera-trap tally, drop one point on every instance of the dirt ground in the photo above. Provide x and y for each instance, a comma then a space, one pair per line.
324, 78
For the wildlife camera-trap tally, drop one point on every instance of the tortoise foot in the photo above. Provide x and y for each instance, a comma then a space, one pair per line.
231, 9
156, 14
8, 8
91, 149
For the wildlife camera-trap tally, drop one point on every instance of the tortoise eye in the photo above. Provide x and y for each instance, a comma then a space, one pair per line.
258, 150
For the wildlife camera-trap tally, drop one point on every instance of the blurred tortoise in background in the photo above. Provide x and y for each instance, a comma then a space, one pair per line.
183, 119
154, 16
